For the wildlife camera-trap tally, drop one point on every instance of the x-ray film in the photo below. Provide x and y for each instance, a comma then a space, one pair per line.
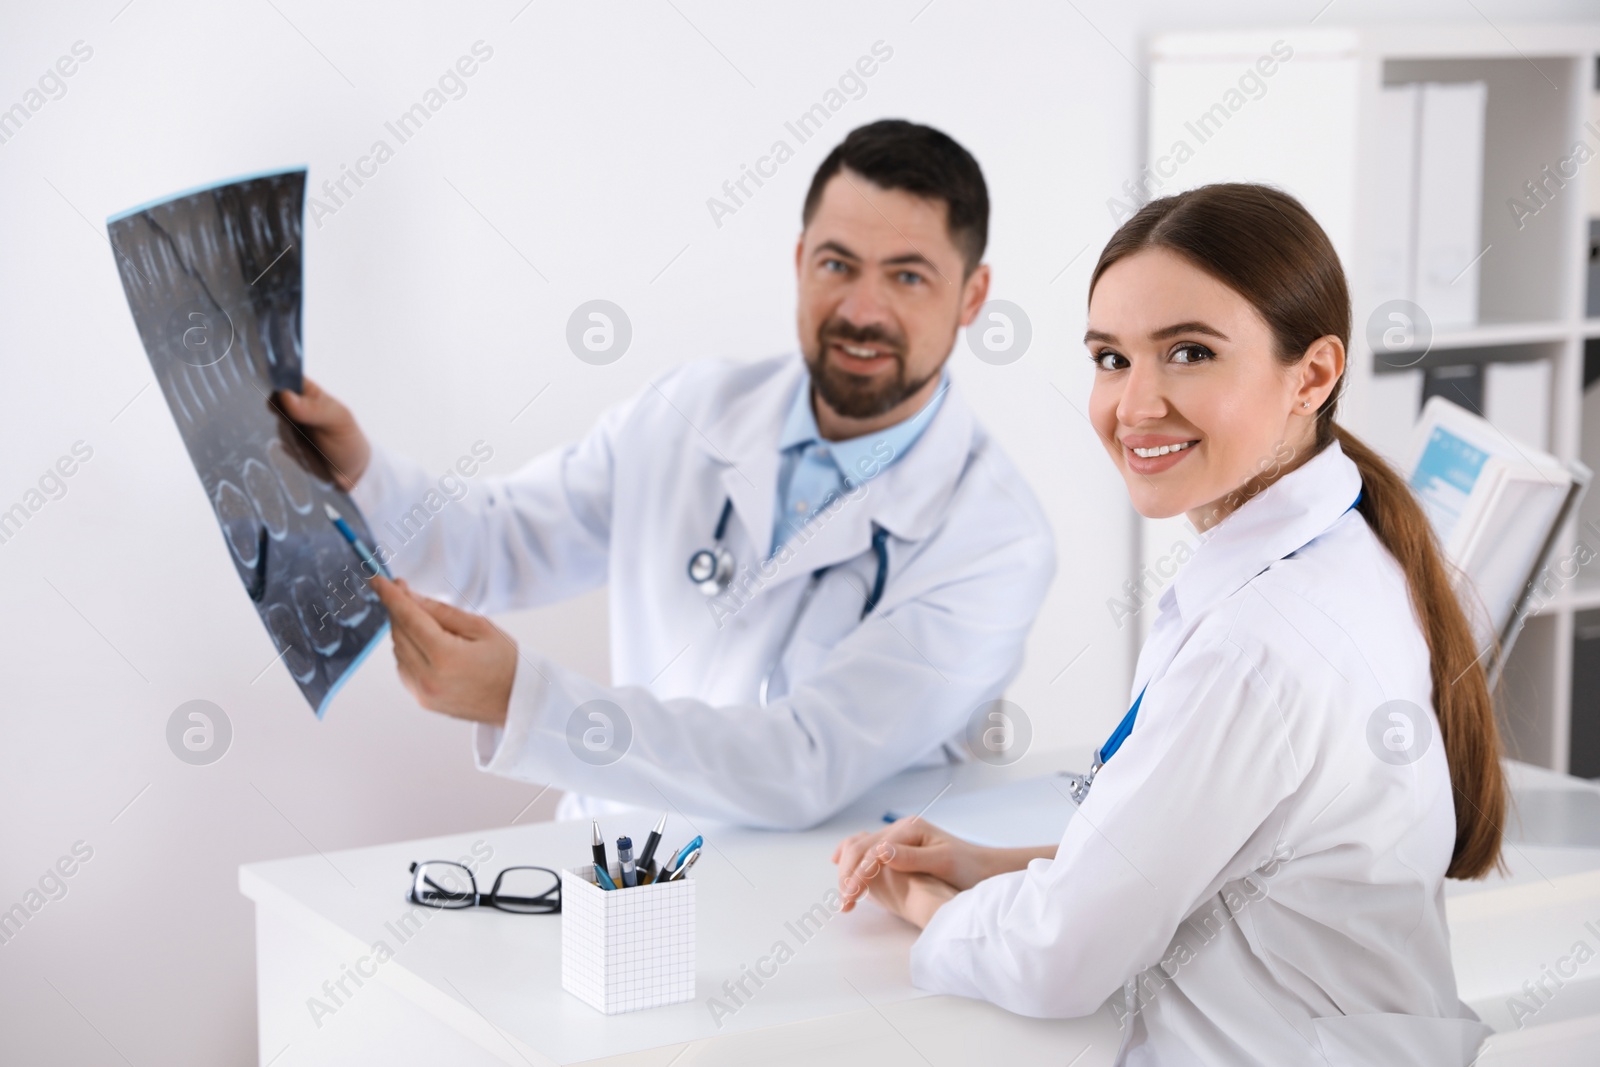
213, 280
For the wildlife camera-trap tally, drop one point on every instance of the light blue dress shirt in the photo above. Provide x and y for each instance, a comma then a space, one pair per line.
811, 471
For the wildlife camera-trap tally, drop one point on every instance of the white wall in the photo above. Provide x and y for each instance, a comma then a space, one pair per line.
591, 141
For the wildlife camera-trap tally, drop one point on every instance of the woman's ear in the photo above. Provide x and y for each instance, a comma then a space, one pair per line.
1320, 370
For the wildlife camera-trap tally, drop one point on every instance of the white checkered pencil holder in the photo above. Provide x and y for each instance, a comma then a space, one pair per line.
626, 948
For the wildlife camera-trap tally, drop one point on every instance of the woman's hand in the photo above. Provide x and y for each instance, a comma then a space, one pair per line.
913, 897
909, 846
915, 846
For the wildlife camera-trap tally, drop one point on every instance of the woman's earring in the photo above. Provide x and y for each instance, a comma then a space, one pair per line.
1305, 403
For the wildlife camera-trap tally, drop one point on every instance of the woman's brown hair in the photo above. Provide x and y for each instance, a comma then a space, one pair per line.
1264, 245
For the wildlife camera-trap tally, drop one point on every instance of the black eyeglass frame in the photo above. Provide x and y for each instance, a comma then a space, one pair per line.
491, 899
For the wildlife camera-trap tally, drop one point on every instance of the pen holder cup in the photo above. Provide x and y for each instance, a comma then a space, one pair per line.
626, 948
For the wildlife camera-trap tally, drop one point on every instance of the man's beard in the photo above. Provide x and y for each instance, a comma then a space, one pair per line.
855, 396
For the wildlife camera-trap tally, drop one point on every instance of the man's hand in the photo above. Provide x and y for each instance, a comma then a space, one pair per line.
452, 661
332, 429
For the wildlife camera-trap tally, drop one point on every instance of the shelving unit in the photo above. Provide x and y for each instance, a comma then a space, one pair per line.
1312, 129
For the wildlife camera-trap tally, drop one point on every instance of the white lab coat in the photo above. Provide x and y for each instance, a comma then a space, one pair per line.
970, 558
1258, 883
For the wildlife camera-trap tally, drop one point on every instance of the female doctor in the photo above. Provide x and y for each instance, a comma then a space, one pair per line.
1258, 866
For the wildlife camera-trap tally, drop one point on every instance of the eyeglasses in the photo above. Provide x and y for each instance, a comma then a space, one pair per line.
522, 890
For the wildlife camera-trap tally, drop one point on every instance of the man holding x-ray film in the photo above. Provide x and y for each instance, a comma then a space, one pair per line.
851, 562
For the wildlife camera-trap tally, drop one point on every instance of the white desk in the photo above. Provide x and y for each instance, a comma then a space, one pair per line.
482, 987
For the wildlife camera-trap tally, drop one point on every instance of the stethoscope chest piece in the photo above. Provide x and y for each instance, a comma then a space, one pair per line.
711, 570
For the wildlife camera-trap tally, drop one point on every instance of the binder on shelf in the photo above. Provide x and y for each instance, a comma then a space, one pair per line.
1583, 740
1459, 383
1450, 200
1516, 398
1496, 505
1393, 405
1428, 228
1592, 272
1584, 748
1394, 250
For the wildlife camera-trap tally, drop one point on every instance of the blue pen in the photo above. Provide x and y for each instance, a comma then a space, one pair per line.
603, 878
367, 558
683, 868
678, 858
890, 816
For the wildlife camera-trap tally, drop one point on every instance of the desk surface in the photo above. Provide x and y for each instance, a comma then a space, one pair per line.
495, 978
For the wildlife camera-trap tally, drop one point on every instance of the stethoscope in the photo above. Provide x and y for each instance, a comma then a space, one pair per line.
1078, 784
711, 571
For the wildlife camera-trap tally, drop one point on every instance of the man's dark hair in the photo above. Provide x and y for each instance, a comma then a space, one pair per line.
896, 154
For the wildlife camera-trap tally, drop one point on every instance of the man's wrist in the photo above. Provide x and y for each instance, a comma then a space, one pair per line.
501, 747
357, 464
500, 707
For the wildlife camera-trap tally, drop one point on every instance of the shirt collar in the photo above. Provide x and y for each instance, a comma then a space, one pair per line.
800, 426
911, 499
864, 453
1283, 518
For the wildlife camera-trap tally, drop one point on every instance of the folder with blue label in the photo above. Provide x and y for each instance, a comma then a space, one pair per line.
1497, 505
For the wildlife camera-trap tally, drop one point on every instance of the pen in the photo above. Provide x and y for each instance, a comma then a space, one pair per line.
682, 854
367, 558
597, 847
625, 858
602, 879
651, 842
683, 868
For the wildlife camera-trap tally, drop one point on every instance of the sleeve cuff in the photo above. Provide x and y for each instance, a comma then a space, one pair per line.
504, 750
931, 953
939, 962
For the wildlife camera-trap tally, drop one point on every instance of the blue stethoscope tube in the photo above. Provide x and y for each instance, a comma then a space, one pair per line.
1079, 785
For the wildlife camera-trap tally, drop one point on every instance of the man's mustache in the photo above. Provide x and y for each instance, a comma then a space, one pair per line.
849, 333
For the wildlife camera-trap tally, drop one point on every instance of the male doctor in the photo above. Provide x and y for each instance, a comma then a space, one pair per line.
819, 568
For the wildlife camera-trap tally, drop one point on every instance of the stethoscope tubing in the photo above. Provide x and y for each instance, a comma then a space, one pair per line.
788, 633
722, 576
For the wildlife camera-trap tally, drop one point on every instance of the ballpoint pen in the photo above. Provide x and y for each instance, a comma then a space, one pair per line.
602, 879
682, 869
367, 558
597, 847
630, 876
677, 860
650, 844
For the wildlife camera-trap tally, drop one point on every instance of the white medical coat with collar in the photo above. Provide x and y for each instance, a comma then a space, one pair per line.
1259, 881
855, 701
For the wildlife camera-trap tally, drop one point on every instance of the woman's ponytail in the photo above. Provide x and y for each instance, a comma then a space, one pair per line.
1461, 697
